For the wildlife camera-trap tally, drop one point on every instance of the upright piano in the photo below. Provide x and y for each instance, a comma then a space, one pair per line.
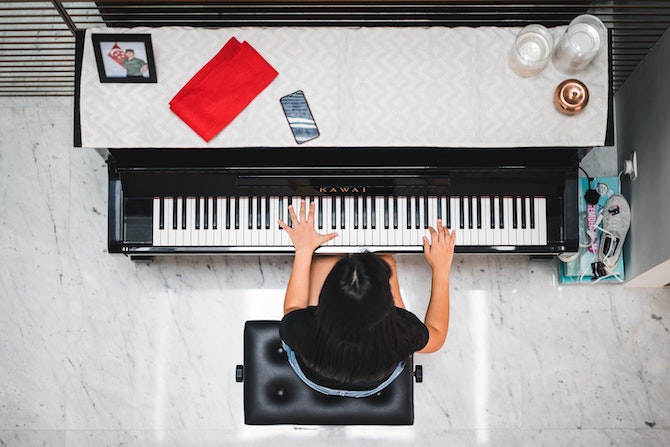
227, 200
224, 201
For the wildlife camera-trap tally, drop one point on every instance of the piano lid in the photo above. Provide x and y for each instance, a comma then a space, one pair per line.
392, 86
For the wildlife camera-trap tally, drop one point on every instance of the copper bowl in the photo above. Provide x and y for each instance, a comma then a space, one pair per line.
571, 96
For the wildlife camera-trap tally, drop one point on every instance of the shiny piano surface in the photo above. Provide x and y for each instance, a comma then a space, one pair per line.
224, 201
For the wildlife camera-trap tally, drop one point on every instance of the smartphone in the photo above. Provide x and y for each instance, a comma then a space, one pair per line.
299, 117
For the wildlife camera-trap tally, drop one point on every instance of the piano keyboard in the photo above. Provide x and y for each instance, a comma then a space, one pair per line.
374, 223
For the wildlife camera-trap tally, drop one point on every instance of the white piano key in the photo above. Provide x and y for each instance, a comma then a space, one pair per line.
411, 221
156, 233
177, 232
196, 226
391, 205
209, 231
327, 208
379, 234
188, 238
472, 226
255, 231
169, 236
271, 231
509, 225
367, 222
423, 220
466, 221
542, 224
432, 212
485, 232
218, 229
527, 232
454, 211
344, 219
262, 231
497, 231
236, 223
244, 235
355, 219
387, 237
402, 235
318, 217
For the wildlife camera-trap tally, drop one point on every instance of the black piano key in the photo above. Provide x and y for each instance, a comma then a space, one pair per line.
228, 212
183, 213
386, 213
215, 213
478, 201
439, 208
237, 213
470, 214
333, 214
447, 214
280, 205
355, 213
395, 213
523, 213
319, 216
197, 213
514, 213
417, 213
425, 212
461, 212
250, 213
409, 213
492, 212
532, 212
365, 212
267, 213
161, 213
343, 213
288, 217
501, 212
174, 213
259, 213
205, 223
373, 213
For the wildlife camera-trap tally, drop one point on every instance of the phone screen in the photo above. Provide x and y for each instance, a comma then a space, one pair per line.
299, 117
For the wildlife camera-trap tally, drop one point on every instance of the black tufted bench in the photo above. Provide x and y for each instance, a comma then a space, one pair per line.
273, 393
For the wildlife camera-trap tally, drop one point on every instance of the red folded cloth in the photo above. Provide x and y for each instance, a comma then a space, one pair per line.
222, 88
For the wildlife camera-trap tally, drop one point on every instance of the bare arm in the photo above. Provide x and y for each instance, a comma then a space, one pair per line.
305, 240
439, 253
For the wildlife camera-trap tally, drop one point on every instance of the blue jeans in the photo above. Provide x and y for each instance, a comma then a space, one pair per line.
293, 361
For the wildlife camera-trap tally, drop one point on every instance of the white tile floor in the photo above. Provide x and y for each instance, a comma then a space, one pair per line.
98, 351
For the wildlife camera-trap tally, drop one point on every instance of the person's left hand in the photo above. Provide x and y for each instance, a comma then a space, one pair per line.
303, 234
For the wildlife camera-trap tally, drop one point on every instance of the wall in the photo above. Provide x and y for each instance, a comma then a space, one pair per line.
643, 108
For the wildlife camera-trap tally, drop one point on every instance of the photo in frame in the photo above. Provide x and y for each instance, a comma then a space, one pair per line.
124, 58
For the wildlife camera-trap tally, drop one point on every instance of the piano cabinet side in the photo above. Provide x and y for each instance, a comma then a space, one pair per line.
114, 210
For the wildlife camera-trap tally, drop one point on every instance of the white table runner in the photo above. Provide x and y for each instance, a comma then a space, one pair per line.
433, 86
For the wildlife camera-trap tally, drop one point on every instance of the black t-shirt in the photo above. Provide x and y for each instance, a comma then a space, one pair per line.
295, 326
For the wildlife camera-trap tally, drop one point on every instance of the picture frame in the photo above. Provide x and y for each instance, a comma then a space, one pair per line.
113, 53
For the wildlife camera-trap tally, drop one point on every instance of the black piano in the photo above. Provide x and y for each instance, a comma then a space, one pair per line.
224, 201
380, 199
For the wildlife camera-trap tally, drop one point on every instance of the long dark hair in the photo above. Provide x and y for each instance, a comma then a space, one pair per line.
357, 336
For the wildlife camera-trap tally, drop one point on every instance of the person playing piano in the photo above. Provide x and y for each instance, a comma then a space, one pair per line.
345, 328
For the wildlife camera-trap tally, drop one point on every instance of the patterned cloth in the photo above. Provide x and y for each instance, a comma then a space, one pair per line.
402, 87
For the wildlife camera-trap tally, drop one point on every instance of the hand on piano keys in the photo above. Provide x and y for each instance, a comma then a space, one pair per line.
374, 223
438, 248
302, 233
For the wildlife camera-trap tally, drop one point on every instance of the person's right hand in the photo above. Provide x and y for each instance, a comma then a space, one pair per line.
439, 249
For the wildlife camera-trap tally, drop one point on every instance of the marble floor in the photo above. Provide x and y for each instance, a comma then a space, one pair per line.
98, 351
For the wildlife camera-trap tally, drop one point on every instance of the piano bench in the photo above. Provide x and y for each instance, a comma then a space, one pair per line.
273, 393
